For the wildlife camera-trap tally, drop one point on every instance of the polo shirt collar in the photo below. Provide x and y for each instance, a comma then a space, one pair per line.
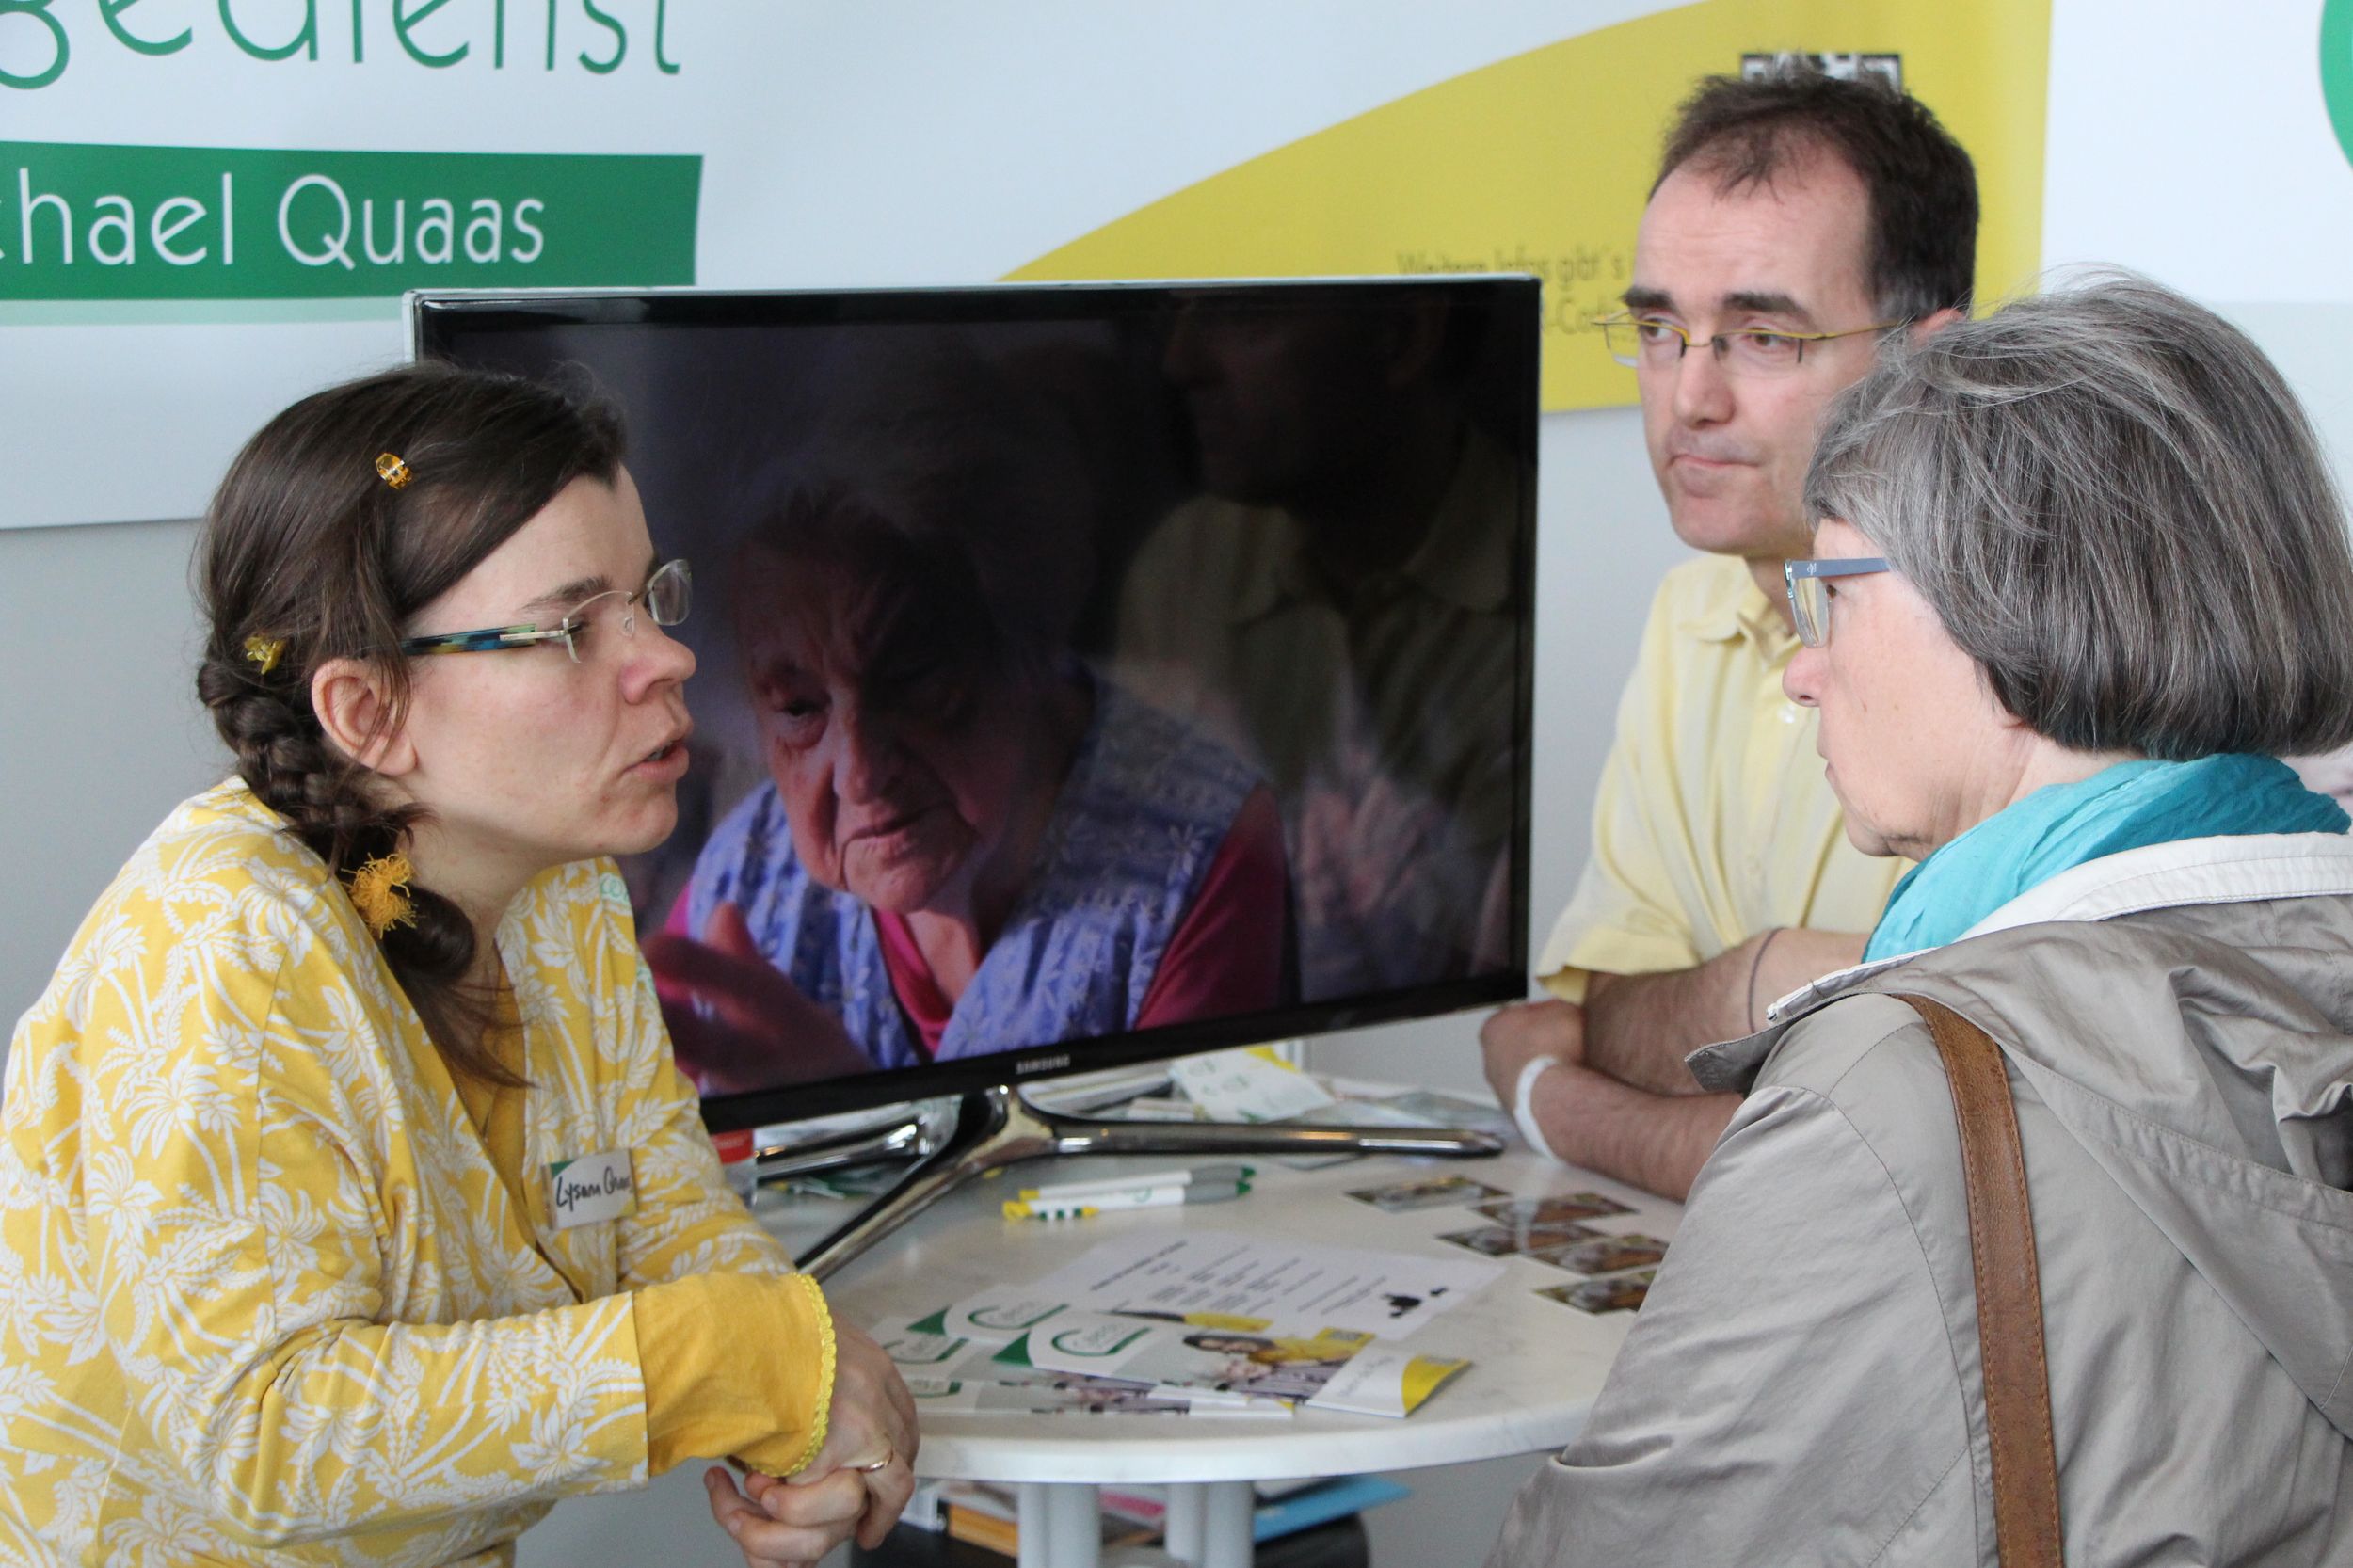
1748, 615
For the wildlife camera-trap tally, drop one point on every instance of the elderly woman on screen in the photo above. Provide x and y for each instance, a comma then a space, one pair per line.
2080, 572
967, 841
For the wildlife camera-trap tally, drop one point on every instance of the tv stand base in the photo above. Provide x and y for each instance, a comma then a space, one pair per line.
995, 1128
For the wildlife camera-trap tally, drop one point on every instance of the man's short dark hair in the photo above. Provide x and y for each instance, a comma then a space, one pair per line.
1923, 187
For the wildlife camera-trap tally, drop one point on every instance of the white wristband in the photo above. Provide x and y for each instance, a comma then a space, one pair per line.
1524, 1108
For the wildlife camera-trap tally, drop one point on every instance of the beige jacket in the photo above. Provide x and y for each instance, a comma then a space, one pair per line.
1802, 1384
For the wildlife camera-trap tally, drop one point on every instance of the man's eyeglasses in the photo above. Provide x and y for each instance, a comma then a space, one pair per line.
1653, 343
1809, 595
667, 596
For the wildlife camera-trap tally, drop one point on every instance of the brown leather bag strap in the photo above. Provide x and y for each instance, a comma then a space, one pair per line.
2010, 1292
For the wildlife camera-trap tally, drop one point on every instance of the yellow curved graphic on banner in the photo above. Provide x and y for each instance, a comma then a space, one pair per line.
1540, 164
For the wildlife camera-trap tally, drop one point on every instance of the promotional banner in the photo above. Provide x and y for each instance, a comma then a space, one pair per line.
208, 207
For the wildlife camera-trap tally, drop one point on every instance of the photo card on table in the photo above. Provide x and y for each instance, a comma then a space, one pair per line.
1559, 1209
1506, 1241
1604, 1255
1402, 1197
1610, 1293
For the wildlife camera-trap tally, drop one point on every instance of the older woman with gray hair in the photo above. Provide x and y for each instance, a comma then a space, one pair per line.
2080, 573
967, 842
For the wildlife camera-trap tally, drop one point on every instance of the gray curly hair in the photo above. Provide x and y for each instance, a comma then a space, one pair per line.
2115, 506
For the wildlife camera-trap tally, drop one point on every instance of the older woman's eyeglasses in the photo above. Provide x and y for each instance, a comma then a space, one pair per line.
666, 597
1653, 343
1810, 591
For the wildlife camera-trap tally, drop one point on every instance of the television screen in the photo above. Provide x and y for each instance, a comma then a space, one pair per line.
1084, 674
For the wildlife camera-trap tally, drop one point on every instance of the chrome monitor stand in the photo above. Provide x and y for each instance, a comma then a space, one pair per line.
995, 1128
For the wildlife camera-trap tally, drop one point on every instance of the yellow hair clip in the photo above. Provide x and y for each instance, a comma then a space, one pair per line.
264, 651
390, 469
376, 892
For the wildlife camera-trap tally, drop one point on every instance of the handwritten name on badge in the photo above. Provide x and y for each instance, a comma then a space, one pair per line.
592, 1188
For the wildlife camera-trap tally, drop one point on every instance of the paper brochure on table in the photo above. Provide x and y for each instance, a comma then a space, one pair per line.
1383, 1380
1106, 1363
1334, 1369
947, 1373
1251, 1084
996, 1317
1077, 1396
1290, 1287
1205, 1323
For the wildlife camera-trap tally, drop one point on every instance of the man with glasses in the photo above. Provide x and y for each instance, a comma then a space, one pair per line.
1795, 221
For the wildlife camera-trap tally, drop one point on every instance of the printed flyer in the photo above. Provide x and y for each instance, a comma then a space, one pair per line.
1107, 1362
1315, 1370
1290, 1287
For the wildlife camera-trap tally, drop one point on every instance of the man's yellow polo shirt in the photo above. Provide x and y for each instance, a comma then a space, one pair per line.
1714, 820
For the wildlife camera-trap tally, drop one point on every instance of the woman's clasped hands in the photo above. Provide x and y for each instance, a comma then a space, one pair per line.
857, 1483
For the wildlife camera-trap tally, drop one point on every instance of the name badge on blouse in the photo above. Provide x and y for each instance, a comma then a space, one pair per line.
592, 1188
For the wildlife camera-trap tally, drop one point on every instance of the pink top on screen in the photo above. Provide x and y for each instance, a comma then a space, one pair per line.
1225, 957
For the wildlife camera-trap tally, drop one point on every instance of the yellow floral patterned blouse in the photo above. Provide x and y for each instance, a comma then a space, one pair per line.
263, 1294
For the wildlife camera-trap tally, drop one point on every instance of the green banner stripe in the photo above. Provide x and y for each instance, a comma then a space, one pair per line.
81, 222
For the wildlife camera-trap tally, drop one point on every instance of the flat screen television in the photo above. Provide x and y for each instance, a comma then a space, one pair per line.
1086, 674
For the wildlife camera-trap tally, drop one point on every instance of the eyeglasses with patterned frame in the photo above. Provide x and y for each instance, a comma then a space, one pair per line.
1809, 595
668, 594
1651, 342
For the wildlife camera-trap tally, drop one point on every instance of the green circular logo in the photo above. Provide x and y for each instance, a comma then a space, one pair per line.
2336, 69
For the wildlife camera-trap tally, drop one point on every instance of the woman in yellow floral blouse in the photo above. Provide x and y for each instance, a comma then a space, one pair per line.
283, 1274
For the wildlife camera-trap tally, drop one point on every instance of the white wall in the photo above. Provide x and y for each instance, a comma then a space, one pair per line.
100, 729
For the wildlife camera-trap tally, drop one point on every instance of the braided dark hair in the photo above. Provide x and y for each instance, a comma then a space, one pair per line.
306, 546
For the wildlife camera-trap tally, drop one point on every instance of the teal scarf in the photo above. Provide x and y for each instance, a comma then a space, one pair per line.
2129, 806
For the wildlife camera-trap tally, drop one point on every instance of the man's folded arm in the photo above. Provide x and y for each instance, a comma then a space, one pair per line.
1639, 1027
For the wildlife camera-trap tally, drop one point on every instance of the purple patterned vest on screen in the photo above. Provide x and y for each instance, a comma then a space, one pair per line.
1141, 817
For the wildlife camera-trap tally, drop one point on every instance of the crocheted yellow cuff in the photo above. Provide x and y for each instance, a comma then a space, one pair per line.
823, 1313
736, 1366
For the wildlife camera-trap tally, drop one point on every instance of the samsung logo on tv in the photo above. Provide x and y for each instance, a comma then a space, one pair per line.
1044, 1063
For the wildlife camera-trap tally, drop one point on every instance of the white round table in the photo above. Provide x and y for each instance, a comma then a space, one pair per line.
1536, 1362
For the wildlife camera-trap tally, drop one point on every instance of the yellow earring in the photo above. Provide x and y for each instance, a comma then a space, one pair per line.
378, 891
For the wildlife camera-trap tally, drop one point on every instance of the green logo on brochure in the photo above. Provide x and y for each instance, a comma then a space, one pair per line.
87, 222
